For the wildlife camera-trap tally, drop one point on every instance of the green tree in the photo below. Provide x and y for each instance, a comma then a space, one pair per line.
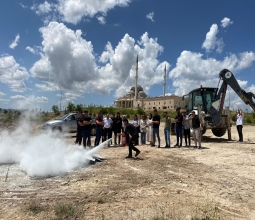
70, 107
140, 111
90, 108
111, 110
79, 108
103, 110
55, 109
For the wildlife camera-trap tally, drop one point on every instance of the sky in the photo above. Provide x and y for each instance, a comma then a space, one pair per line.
84, 51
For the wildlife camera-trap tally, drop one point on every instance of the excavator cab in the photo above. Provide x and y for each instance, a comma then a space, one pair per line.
201, 97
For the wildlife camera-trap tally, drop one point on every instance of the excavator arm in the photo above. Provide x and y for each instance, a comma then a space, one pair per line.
217, 105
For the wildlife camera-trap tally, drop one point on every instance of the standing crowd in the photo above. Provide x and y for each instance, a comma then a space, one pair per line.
146, 130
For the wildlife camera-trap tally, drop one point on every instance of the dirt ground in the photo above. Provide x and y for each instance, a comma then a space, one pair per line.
176, 183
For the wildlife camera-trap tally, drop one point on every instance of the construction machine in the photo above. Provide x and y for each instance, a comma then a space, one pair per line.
208, 104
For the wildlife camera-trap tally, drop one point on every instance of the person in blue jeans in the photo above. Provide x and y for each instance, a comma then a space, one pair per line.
178, 127
167, 130
143, 124
155, 127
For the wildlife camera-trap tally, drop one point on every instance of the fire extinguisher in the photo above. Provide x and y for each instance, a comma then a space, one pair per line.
123, 140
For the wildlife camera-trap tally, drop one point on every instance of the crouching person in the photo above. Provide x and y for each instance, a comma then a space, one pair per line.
131, 130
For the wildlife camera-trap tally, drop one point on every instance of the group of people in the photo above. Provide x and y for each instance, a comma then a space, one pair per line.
145, 128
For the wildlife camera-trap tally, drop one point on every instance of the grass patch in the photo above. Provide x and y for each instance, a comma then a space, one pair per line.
35, 207
66, 211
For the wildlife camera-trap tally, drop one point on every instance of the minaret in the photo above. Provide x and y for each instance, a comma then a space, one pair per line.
136, 77
164, 85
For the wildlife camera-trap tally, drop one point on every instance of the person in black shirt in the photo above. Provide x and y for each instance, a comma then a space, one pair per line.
79, 129
131, 130
87, 130
178, 127
196, 129
155, 127
99, 128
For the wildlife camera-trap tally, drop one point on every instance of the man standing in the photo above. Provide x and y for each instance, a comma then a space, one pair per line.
239, 124
155, 126
196, 129
87, 130
186, 127
99, 128
167, 129
117, 125
79, 129
178, 128
130, 129
107, 131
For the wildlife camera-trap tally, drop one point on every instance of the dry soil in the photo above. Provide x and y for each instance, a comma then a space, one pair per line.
175, 183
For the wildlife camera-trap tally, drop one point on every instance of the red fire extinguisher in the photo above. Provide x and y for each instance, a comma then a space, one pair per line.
123, 140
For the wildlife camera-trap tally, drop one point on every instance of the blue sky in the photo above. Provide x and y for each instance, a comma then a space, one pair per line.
88, 49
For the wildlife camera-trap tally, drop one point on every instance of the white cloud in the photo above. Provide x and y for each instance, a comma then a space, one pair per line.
192, 70
15, 42
150, 16
211, 41
101, 19
69, 64
49, 87
23, 6
73, 10
43, 8
4, 100
2, 94
42, 99
226, 22
18, 97
12, 74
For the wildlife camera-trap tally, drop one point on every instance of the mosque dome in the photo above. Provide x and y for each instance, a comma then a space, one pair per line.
142, 94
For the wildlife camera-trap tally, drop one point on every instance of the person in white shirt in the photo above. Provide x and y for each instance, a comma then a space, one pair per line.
136, 123
239, 124
186, 127
143, 124
107, 130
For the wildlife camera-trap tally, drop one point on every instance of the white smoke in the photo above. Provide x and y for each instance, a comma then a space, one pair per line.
41, 154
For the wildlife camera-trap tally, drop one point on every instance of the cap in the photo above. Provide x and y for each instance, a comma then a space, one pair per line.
125, 119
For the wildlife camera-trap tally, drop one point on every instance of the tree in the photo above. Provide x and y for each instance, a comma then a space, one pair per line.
55, 109
79, 108
140, 111
70, 107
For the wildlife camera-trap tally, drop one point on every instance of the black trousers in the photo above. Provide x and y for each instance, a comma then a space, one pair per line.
187, 136
79, 137
131, 146
240, 132
116, 131
107, 134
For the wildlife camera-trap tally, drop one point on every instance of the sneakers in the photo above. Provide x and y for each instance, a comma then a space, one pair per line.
128, 157
137, 153
158, 146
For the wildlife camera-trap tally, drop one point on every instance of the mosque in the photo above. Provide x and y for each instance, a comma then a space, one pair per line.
136, 98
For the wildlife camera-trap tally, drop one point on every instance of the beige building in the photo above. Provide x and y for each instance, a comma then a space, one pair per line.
136, 98
150, 103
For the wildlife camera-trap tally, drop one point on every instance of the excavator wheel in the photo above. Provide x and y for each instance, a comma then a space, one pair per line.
219, 132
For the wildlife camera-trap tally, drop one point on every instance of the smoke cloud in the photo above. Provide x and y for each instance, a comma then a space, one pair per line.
41, 154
